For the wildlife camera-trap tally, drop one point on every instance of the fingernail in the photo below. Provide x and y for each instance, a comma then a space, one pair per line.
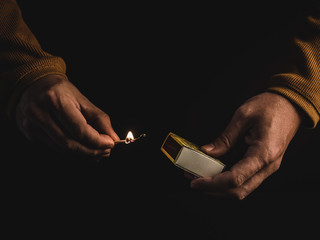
208, 147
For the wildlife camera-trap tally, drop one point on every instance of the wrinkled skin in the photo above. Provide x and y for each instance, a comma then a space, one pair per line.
267, 123
53, 111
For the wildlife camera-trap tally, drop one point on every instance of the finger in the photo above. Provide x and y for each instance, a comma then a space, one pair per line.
36, 134
217, 183
73, 120
70, 145
235, 129
243, 173
60, 138
256, 158
250, 185
189, 175
100, 121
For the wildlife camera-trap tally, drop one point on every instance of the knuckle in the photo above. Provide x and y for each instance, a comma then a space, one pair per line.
241, 195
263, 155
261, 161
244, 111
275, 152
49, 97
68, 145
275, 166
78, 132
237, 180
93, 153
270, 155
99, 153
100, 116
105, 154
104, 116
238, 195
225, 139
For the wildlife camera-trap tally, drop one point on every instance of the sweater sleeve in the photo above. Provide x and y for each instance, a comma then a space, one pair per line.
300, 83
22, 60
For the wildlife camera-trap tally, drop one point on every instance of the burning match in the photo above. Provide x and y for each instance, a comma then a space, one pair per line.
130, 138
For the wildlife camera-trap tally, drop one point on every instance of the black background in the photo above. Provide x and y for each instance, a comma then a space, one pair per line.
156, 68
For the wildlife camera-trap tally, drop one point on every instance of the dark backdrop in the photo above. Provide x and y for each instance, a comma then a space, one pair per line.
156, 68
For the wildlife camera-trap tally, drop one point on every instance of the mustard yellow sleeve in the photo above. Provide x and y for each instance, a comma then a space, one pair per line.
22, 60
301, 84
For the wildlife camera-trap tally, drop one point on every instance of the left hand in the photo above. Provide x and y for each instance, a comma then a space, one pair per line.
267, 122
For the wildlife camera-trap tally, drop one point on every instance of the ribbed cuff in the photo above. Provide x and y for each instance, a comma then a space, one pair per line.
28, 75
302, 92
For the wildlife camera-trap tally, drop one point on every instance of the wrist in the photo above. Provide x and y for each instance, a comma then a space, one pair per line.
291, 108
306, 110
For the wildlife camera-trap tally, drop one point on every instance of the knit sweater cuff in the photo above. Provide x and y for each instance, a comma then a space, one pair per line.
305, 97
28, 74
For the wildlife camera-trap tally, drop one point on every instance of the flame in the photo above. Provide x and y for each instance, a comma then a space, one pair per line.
129, 137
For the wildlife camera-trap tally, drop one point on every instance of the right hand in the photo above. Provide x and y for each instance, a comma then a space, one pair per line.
53, 111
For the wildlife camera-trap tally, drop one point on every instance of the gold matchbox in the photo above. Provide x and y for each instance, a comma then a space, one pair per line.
189, 157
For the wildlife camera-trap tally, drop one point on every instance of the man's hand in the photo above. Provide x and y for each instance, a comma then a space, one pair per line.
53, 111
267, 122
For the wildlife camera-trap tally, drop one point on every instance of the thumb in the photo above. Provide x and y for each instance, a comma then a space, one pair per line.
222, 144
103, 124
218, 147
100, 121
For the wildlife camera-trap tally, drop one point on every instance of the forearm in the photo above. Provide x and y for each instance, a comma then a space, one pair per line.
301, 84
22, 60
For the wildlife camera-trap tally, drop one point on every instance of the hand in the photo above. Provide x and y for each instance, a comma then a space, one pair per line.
267, 122
53, 111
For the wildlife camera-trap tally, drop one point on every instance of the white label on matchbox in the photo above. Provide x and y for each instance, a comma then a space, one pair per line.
198, 164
